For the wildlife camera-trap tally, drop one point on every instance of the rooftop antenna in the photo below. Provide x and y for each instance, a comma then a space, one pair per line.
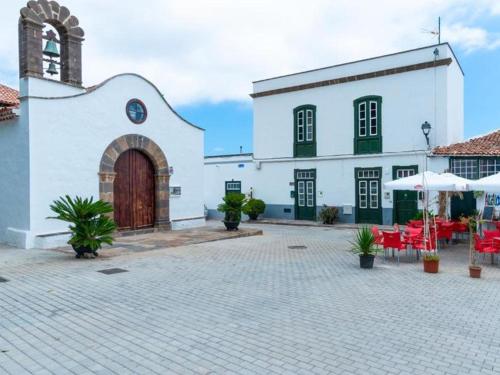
436, 33
439, 30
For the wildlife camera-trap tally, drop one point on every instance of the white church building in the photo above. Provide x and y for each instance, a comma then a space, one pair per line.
119, 141
333, 136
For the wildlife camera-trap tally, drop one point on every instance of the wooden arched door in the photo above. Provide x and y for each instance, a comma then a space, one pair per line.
134, 191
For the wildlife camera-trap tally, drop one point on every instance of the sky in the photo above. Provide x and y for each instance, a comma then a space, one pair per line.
204, 55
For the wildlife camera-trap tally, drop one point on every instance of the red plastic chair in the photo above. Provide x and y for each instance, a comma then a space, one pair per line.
392, 241
491, 247
416, 223
491, 234
481, 244
422, 243
379, 238
445, 232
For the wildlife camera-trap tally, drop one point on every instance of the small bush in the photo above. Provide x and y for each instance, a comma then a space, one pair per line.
253, 208
233, 203
328, 215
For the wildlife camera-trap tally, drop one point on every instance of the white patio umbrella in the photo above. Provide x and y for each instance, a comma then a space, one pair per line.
426, 181
460, 182
490, 184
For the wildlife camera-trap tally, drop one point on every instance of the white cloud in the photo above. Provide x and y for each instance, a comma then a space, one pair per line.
471, 38
198, 50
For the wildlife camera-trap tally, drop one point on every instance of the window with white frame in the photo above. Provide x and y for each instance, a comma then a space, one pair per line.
374, 194
309, 125
233, 187
305, 131
368, 173
402, 173
466, 168
362, 119
300, 126
488, 167
368, 125
373, 118
363, 194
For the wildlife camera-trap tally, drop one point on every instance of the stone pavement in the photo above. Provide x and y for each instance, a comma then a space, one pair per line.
247, 306
214, 231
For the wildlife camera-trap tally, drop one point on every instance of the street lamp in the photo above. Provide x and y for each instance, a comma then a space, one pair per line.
426, 129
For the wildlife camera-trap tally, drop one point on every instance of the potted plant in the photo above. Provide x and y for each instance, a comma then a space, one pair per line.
90, 225
253, 208
364, 246
232, 206
431, 262
328, 215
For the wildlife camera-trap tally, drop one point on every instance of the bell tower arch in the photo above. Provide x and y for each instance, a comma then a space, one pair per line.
31, 23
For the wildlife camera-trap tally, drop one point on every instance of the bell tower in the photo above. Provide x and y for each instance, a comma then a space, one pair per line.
34, 17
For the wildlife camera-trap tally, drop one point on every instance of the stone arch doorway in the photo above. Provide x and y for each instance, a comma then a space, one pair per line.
151, 179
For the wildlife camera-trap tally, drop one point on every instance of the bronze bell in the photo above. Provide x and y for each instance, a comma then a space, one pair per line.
52, 69
51, 49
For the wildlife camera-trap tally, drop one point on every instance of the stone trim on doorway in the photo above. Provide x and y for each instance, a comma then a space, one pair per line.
162, 176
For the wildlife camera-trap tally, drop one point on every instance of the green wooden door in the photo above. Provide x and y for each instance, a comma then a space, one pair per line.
368, 195
405, 202
305, 194
465, 206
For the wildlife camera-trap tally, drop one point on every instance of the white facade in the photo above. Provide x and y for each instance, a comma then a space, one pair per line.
413, 87
55, 147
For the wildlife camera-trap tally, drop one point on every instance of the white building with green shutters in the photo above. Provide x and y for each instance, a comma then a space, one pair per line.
333, 136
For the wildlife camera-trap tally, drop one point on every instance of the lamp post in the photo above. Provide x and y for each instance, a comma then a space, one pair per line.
426, 129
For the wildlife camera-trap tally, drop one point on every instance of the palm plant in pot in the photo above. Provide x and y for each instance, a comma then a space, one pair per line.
231, 207
364, 246
90, 225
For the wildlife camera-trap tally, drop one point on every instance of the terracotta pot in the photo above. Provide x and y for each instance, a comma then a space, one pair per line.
431, 266
475, 272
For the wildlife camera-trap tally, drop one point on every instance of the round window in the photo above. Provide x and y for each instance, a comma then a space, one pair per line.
136, 111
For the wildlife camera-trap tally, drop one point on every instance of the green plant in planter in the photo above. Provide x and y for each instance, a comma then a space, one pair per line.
431, 262
364, 246
328, 215
431, 257
231, 207
90, 225
420, 215
253, 208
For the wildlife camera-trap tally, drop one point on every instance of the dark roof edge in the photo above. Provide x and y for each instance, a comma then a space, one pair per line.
367, 59
228, 155
98, 86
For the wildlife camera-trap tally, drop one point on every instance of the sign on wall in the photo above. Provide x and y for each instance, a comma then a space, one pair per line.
491, 200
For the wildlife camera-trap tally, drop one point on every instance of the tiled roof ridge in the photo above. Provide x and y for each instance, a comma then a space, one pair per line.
9, 96
488, 145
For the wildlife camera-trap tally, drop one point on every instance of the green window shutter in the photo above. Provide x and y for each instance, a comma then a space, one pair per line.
368, 125
304, 138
